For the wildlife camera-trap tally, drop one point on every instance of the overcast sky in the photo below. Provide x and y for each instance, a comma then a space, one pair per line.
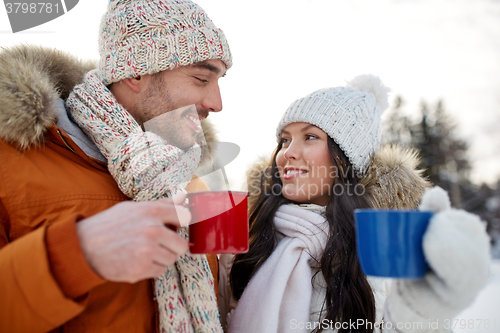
285, 49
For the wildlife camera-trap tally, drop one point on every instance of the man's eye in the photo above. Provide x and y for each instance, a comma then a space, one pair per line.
201, 80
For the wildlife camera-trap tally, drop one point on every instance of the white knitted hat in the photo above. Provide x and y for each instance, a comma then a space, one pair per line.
149, 36
349, 115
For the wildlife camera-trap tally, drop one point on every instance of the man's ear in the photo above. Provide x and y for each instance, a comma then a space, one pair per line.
134, 83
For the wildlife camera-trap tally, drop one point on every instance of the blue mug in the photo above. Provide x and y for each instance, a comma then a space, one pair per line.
389, 242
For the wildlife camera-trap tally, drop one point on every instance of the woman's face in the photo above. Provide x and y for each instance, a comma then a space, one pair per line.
304, 164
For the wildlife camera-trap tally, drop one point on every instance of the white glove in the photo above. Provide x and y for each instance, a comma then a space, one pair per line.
457, 248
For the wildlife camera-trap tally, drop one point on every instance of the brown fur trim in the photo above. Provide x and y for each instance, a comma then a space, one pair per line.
210, 134
392, 181
32, 78
258, 181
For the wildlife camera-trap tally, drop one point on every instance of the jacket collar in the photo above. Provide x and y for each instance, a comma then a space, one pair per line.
75, 133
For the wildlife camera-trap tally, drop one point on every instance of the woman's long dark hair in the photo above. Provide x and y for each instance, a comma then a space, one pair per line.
348, 293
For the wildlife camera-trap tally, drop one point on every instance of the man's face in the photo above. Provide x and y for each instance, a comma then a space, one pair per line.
169, 90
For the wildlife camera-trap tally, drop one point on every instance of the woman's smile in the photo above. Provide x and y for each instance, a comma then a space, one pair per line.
292, 172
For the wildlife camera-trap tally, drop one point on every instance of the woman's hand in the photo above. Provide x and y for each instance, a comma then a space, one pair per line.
457, 248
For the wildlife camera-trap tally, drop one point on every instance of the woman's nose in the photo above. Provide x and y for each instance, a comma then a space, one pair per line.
292, 152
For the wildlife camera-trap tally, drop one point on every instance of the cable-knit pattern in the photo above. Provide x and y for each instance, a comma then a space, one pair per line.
145, 167
140, 37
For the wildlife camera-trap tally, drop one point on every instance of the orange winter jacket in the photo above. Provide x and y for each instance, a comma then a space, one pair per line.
45, 281
46, 284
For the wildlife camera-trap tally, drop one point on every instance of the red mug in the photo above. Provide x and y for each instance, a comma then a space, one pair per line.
219, 222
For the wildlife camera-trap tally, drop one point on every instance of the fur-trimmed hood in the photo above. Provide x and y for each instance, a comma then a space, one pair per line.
392, 181
32, 79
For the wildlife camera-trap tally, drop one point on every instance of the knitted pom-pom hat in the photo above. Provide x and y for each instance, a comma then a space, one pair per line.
349, 115
140, 37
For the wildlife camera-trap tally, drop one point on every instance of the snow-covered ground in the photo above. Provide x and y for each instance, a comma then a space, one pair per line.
486, 308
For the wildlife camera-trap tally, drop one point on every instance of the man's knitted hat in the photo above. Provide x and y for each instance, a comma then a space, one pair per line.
140, 37
349, 115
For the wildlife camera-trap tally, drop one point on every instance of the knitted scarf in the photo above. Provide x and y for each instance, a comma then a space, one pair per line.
281, 290
146, 167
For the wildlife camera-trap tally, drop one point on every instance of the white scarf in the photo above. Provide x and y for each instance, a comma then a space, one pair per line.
280, 291
146, 168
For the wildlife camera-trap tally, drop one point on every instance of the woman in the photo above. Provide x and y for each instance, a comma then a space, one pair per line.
301, 271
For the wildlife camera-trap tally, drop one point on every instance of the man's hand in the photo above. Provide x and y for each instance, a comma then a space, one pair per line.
133, 241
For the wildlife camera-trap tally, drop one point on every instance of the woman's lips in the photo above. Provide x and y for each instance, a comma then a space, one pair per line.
290, 173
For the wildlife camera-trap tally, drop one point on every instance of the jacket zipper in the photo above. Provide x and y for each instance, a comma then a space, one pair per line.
155, 301
67, 145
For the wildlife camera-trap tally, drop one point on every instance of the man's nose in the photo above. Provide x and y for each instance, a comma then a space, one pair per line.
213, 99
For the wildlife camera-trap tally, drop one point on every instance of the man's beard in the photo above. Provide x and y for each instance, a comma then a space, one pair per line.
157, 100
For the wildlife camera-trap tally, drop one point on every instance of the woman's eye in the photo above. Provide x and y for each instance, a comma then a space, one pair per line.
284, 141
310, 136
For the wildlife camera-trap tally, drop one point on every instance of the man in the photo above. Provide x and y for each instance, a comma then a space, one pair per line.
76, 255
